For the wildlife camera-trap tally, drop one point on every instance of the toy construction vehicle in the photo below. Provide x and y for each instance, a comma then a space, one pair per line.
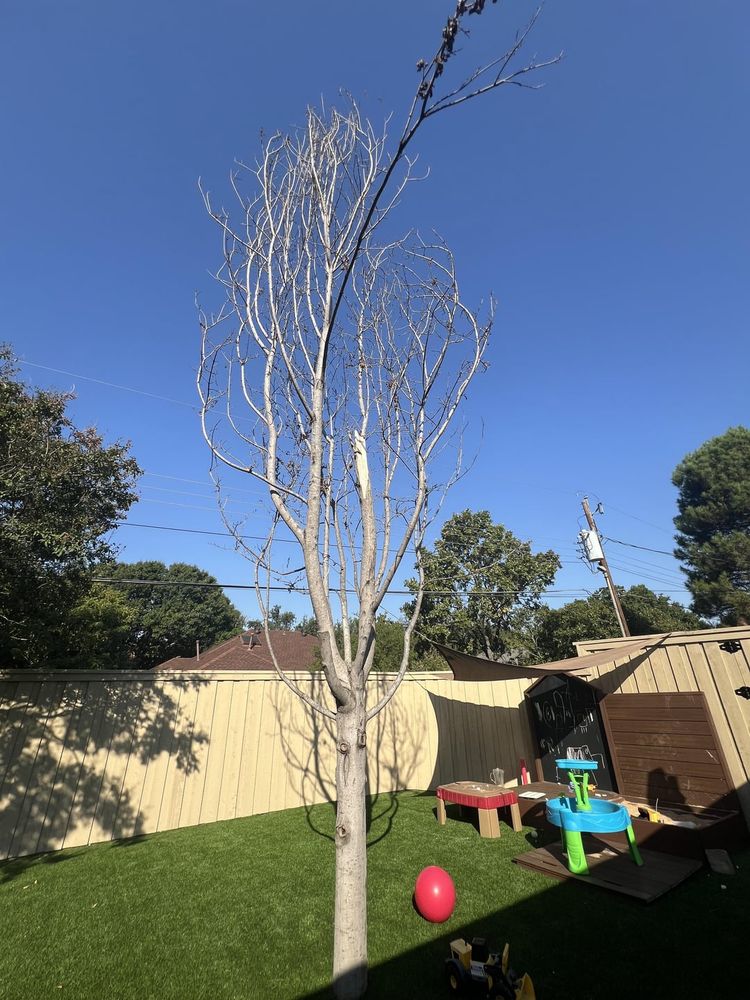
472, 970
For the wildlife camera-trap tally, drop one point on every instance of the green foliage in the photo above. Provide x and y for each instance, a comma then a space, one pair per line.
61, 491
307, 625
101, 626
169, 620
645, 612
713, 525
389, 644
503, 579
277, 619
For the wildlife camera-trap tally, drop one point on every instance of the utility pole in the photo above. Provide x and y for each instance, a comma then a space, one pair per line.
598, 556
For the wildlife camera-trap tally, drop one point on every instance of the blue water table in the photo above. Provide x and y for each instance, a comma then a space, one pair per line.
576, 814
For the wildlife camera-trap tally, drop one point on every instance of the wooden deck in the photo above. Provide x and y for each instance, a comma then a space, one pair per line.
615, 871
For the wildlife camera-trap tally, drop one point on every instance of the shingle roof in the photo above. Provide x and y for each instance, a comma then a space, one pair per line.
294, 651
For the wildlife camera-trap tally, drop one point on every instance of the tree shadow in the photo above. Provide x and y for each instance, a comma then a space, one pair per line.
68, 754
308, 741
581, 940
473, 739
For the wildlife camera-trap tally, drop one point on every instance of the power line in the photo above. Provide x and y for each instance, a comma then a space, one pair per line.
632, 545
190, 493
174, 503
110, 385
251, 538
204, 483
643, 576
635, 517
290, 588
203, 531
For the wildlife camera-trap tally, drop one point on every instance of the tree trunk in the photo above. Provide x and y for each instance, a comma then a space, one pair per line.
350, 913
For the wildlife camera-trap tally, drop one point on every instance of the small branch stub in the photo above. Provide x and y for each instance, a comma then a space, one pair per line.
342, 833
362, 738
344, 747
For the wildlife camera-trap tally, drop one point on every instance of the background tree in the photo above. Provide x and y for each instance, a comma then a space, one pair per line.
61, 492
307, 625
168, 620
277, 619
100, 629
713, 526
345, 352
483, 587
646, 613
389, 647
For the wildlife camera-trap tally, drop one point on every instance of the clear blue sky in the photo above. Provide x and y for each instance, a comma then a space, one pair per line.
608, 213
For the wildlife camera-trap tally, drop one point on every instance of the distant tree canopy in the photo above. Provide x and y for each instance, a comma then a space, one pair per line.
645, 612
389, 647
713, 525
168, 620
61, 491
307, 625
277, 619
482, 588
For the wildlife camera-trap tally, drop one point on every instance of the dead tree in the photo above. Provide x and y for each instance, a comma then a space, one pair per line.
331, 376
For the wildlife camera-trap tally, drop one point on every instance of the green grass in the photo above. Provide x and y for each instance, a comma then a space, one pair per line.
243, 910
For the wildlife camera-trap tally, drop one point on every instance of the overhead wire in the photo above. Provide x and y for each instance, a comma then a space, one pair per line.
110, 385
184, 403
632, 545
291, 588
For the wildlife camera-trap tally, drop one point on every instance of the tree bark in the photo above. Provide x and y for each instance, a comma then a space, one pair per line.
350, 908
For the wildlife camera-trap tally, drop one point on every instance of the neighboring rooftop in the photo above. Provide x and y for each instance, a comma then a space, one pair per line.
249, 651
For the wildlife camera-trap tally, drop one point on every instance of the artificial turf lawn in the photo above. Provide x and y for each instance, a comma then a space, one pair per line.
242, 909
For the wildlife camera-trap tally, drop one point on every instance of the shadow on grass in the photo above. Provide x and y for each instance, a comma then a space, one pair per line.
579, 941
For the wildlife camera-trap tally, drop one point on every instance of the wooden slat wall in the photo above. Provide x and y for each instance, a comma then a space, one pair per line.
693, 661
90, 757
664, 749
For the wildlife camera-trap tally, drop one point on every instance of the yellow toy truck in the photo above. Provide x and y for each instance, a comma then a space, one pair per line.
473, 970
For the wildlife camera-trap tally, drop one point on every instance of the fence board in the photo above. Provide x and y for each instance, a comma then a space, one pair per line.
227, 806
157, 756
180, 759
90, 785
18, 785
52, 795
194, 782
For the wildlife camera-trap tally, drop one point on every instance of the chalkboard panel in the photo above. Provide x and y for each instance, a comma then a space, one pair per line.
566, 719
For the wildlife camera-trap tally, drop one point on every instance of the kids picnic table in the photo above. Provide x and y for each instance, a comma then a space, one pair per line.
485, 798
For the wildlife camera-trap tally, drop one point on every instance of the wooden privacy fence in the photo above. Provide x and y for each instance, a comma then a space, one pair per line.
90, 757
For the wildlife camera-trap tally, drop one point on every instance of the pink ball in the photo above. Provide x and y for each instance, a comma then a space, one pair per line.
435, 894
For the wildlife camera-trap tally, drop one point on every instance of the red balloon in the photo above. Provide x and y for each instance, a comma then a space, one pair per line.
435, 894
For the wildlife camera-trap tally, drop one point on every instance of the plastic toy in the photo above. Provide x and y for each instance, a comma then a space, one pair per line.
578, 814
435, 894
473, 970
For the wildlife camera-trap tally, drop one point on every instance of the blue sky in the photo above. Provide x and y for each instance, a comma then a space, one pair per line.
608, 212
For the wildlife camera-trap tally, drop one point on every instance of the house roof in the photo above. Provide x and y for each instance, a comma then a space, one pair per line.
294, 651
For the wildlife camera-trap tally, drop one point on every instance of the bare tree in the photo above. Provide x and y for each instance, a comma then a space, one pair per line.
331, 375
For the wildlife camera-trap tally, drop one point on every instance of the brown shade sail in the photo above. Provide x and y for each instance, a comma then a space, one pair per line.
478, 668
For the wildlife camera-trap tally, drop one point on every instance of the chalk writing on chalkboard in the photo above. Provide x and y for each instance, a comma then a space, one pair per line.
565, 711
